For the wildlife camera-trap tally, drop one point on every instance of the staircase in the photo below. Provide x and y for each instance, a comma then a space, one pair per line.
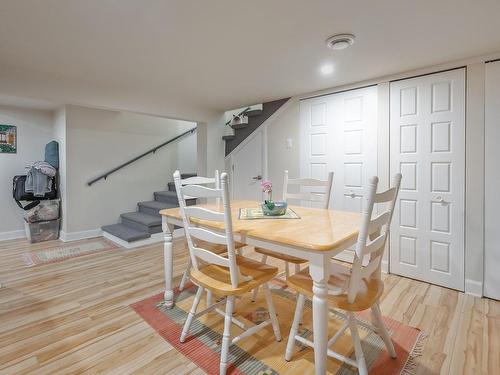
251, 120
139, 228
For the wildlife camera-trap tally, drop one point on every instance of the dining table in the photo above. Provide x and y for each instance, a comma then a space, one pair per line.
317, 235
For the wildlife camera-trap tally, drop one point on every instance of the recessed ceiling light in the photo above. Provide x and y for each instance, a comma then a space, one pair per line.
340, 41
326, 69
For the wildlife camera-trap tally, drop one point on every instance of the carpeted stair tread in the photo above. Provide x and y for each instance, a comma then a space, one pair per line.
142, 218
157, 205
125, 233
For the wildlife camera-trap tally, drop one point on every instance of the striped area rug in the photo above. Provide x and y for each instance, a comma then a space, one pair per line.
60, 253
260, 354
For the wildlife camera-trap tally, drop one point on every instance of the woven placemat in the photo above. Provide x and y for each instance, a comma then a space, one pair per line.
256, 213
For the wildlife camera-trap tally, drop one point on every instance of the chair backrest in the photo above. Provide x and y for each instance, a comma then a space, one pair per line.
373, 234
193, 232
322, 198
200, 180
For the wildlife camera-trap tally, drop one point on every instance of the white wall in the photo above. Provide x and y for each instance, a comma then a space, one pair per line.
98, 140
286, 124
34, 130
60, 137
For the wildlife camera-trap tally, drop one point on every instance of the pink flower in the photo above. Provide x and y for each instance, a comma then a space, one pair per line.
267, 186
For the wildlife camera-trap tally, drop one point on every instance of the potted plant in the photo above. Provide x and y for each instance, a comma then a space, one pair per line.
269, 207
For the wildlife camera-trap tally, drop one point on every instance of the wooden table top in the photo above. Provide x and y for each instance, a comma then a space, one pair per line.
317, 229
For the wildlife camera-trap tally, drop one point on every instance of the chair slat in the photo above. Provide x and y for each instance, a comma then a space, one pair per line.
198, 180
379, 221
206, 235
200, 191
307, 182
210, 257
376, 244
204, 213
370, 267
311, 197
385, 196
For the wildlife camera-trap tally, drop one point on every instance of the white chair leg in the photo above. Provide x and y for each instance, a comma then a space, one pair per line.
382, 331
209, 298
185, 277
358, 350
272, 312
297, 268
226, 336
299, 308
189, 320
256, 290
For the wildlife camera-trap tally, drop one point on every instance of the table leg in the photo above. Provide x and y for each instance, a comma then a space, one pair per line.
168, 259
320, 273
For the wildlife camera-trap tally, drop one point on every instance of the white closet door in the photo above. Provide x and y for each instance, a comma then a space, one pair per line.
492, 182
315, 151
339, 134
427, 137
354, 140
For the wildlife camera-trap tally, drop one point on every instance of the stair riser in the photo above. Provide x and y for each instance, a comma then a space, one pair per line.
172, 200
141, 227
166, 199
149, 210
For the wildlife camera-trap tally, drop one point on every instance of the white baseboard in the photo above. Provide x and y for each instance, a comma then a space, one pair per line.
12, 235
75, 236
155, 238
474, 288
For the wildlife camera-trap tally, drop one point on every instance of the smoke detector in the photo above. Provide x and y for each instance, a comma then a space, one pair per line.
340, 41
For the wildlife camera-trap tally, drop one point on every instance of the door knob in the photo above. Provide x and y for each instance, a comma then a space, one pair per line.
257, 178
352, 195
439, 199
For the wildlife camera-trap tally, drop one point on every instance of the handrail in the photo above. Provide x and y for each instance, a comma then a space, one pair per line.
241, 113
153, 150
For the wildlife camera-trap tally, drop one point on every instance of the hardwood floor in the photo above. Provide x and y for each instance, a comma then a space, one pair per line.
74, 317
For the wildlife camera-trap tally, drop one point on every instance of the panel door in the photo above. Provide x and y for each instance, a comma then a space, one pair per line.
339, 134
354, 140
248, 169
492, 182
427, 140
315, 150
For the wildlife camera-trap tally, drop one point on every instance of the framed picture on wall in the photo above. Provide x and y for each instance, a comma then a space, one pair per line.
8, 139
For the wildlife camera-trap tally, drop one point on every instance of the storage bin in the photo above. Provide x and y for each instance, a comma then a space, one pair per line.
46, 210
42, 230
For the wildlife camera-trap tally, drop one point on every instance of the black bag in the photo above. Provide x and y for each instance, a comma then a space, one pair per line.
19, 193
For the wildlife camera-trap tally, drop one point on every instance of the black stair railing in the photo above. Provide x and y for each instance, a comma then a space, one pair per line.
104, 176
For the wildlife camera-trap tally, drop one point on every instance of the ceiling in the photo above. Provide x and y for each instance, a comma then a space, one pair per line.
189, 59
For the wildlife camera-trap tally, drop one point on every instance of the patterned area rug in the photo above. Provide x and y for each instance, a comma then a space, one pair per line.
260, 354
60, 253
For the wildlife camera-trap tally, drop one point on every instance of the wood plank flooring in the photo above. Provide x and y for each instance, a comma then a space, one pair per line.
73, 317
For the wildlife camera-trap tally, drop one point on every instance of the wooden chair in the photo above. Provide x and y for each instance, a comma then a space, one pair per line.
215, 182
358, 288
323, 199
225, 276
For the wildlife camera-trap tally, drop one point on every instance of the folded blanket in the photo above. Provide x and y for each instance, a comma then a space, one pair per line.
38, 180
43, 167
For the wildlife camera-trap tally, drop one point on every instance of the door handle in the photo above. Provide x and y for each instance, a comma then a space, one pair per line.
257, 178
352, 195
440, 199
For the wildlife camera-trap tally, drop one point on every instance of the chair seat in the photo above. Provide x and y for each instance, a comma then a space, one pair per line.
286, 258
369, 293
217, 278
215, 248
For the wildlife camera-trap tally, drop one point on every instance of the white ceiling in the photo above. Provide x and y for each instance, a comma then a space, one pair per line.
189, 58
